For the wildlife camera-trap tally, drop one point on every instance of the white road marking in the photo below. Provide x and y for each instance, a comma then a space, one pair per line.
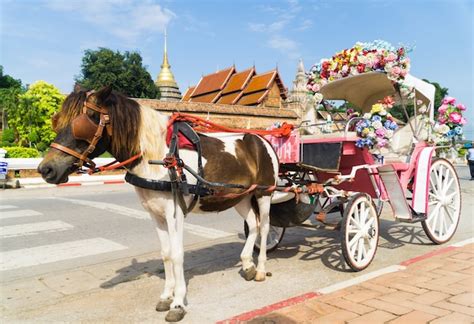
7, 207
19, 213
56, 252
360, 279
33, 228
463, 243
197, 230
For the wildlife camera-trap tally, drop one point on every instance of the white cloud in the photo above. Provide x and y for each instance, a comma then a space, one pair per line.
284, 45
126, 19
305, 24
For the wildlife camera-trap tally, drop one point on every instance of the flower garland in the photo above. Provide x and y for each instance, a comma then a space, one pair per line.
377, 127
362, 57
450, 121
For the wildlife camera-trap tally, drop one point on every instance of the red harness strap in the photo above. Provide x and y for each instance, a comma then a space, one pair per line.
207, 126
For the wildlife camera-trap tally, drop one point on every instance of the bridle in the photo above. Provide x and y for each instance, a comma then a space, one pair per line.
84, 128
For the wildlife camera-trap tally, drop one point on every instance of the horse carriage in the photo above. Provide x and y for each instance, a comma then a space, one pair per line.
177, 166
339, 175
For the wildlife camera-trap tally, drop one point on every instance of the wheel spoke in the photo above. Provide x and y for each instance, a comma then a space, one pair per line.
359, 249
450, 216
433, 217
448, 185
440, 224
433, 185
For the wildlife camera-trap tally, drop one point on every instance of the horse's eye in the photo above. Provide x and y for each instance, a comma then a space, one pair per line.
54, 122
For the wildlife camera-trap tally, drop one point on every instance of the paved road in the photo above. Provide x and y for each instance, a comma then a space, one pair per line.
58, 230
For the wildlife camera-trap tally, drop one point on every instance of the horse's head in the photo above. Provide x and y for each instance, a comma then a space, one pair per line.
88, 124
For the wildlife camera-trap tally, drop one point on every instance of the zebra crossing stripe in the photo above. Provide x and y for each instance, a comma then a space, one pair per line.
19, 213
2, 207
33, 228
197, 230
56, 252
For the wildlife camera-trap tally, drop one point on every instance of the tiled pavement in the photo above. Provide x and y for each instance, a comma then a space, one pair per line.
435, 288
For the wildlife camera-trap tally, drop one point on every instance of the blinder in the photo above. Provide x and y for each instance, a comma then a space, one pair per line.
84, 128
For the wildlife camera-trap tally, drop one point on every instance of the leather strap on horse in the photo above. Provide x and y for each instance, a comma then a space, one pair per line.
82, 158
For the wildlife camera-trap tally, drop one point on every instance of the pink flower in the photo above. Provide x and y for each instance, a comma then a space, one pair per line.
403, 73
442, 109
381, 142
442, 120
449, 100
455, 117
396, 70
309, 86
463, 121
391, 57
461, 107
380, 132
315, 87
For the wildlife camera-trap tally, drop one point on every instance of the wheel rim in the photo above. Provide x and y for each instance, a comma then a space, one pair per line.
273, 238
361, 233
444, 203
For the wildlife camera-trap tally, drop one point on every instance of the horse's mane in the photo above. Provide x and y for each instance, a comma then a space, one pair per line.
124, 116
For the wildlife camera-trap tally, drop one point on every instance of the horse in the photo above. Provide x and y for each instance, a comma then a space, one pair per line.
91, 123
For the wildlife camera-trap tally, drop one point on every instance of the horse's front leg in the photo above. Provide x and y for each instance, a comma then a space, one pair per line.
264, 209
245, 210
175, 222
166, 298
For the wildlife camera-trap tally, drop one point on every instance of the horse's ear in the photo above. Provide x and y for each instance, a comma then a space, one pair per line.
103, 94
78, 88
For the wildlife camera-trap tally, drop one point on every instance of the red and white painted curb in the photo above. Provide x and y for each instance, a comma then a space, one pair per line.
341, 285
74, 181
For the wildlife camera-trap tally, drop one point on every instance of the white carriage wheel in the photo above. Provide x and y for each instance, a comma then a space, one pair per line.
275, 235
444, 202
360, 232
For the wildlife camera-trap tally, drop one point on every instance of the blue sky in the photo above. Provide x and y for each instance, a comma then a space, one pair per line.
45, 39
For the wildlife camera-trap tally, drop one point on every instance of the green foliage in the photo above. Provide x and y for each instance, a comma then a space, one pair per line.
7, 81
8, 137
31, 119
21, 152
124, 72
398, 113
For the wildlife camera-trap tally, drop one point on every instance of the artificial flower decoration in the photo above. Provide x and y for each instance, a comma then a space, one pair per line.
362, 57
377, 127
450, 121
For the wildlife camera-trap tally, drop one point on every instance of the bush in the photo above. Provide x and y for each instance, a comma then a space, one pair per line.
8, 137
21, 152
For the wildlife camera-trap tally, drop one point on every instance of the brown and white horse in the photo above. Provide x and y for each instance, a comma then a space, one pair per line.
241, 159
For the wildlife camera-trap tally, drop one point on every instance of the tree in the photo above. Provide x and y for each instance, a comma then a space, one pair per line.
124, 72
10, 89
31, 119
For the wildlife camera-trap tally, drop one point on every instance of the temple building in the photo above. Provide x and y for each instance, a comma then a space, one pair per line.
299, 99
165, 82
245, 88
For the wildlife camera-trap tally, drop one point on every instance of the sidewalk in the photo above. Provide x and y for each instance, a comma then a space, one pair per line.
437, 287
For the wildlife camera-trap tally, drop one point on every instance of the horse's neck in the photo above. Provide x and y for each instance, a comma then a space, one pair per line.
152, 137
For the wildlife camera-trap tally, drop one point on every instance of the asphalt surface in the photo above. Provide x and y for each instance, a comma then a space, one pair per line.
111, 218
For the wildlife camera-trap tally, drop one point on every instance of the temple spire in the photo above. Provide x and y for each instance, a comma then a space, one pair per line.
165, 81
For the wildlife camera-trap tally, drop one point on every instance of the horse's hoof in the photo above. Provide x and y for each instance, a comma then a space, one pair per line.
249, 274
260, 276
164, 305
175, 315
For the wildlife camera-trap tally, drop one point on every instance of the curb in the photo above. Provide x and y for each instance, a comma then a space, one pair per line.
344, 284
83, 180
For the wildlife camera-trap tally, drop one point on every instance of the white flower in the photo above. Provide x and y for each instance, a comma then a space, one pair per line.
377, 124
383, 112
367, 116
423, 109
371, 134
318, 97
388, 133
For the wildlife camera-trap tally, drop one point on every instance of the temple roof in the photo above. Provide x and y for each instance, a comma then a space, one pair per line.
231, 87
213, 82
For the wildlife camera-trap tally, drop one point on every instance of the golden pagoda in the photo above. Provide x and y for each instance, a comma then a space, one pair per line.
165, 82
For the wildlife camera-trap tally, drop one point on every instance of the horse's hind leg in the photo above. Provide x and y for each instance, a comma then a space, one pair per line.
166, 298
245, 210
264, 212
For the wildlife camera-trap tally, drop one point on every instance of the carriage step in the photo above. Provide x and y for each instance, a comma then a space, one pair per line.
414, 219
